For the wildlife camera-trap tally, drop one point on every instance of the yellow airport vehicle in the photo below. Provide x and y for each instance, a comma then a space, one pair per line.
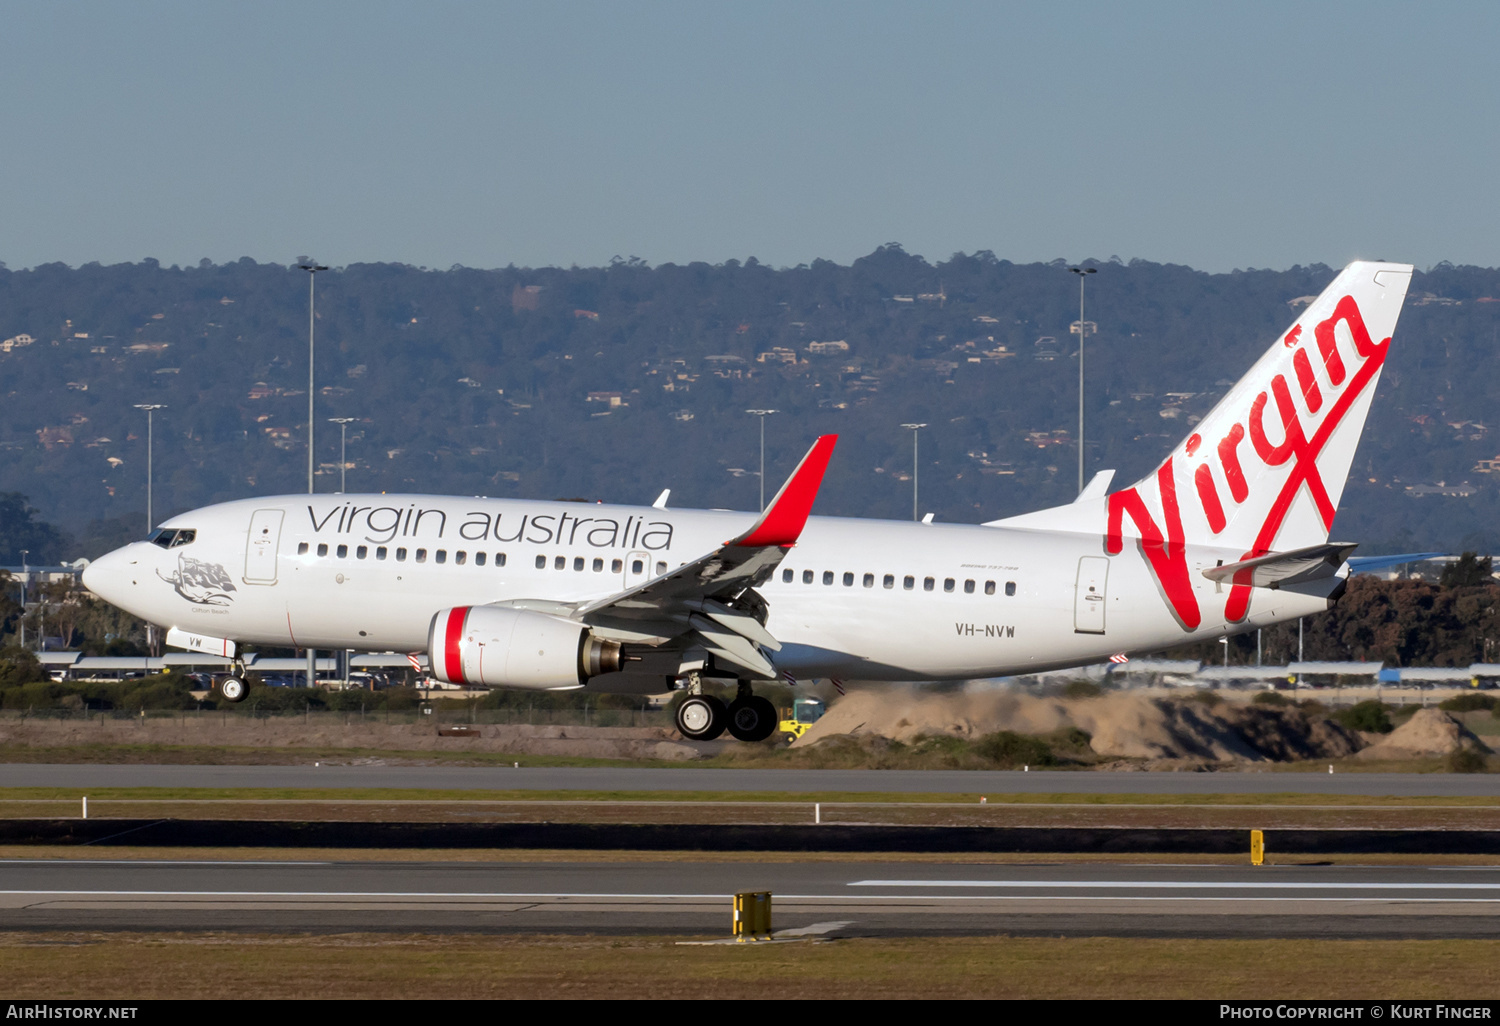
803, 714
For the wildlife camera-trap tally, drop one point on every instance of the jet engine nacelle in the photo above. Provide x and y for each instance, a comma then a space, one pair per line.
514, 648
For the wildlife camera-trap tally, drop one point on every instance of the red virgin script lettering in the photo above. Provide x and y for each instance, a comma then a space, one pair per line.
1283, 443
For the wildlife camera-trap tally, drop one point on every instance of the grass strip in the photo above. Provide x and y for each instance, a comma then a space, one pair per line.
1288, 799
74, 965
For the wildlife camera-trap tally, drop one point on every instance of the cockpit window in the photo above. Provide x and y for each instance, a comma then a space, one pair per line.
171, 539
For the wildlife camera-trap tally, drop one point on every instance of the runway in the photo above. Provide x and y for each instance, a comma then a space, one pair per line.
827, 781
693, 898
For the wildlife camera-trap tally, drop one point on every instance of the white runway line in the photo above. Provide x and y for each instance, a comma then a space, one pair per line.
1247, 885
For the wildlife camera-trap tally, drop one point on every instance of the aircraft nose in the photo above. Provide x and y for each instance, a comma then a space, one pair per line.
108, 576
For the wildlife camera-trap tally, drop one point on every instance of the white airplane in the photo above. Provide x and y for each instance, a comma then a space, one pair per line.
1228, 534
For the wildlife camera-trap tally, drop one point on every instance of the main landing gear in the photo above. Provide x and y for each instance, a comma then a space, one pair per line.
748, 718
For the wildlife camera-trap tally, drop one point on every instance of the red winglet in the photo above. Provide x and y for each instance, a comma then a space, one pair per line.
784, 518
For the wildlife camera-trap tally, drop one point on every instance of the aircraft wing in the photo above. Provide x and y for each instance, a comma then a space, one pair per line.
1367, 564
711, 596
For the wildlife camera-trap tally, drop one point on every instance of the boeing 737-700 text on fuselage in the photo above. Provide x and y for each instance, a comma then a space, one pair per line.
1228, 534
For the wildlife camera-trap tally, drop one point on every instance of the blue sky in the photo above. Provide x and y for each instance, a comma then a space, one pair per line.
485, 134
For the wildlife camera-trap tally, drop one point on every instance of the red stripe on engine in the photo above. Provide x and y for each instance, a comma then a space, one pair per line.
453, 664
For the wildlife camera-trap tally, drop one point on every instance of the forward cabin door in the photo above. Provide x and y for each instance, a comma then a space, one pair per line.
260, 548
1088, 603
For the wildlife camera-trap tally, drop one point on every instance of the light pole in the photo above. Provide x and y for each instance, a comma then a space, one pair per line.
762, 414
914, 428
25, 576
343, 423
1083, 330
150, 409
312, 273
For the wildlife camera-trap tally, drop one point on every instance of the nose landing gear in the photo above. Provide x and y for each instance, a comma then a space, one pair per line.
233, 689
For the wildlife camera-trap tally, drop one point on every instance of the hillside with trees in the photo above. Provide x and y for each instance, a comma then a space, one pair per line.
616, 382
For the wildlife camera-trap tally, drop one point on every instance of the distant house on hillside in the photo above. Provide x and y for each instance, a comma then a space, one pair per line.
831, 348
1458, 491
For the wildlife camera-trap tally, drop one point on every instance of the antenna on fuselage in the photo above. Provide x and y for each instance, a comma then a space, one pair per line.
661, 500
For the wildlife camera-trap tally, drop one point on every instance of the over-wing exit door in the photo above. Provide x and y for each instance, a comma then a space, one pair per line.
1088, 603
260, 548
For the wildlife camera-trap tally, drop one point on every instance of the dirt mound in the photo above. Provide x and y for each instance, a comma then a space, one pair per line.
1120, 724
1431, 732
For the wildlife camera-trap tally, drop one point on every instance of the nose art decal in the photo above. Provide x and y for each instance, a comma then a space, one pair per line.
206, 584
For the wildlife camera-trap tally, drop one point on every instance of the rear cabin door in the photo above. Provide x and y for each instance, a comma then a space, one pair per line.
1088, 604
260, 548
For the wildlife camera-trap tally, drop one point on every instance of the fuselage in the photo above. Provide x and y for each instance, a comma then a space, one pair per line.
854, 598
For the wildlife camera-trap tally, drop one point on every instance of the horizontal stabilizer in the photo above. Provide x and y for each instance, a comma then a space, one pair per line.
1279, 569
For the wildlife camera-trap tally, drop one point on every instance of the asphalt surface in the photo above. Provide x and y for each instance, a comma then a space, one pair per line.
693, 897
462, 778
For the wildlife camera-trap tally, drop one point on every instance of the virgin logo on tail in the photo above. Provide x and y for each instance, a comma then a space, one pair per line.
1306, 416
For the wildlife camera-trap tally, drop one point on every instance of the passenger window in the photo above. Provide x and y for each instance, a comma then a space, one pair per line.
947, 584
661, 568
479, 558
827, 576
302, 548
362, 552
560, 563
1010, 587
421, 556
616, 565
598, 565
442, 555
459, 558
807, 577
968, 587
322, 549
578, 563
637, 566
401, 555
848, 579
989, 587
869, 580
908, 582
541, 562
499, 559
888, 581
343, 551
927, 583
380, 552
787, 576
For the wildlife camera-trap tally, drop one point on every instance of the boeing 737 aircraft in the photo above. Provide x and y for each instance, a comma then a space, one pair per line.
1228, 534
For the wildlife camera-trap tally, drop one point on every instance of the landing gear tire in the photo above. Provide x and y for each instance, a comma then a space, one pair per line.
752, 719
233, 689
702, 718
